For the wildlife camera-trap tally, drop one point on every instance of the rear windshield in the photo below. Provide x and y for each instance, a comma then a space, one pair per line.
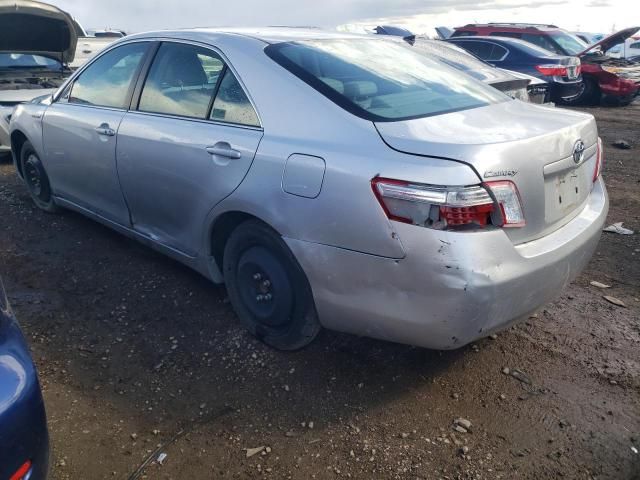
381, 80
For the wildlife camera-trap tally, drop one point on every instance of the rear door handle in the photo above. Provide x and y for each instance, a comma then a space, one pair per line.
223, 149
105, 130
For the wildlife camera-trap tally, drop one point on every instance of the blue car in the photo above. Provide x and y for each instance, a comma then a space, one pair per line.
24, 440
563, 73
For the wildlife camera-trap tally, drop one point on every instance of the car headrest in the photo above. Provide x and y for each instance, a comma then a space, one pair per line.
185, 70
337, 85
360, 89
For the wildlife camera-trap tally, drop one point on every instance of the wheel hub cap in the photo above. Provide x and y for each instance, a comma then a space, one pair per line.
265, 288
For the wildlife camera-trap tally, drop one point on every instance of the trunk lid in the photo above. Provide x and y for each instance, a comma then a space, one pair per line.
38, 29
532, 146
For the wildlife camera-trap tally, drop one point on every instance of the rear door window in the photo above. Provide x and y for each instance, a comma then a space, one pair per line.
232, 105
181, 81
194, 82
497, 53
481, 50
108, 81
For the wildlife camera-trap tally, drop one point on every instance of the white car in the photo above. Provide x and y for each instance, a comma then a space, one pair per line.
629, 49
38, 43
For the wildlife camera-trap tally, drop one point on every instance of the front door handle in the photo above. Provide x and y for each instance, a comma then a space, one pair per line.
223, 149
105, 130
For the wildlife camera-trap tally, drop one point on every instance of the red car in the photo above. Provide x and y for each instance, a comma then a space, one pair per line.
605, 78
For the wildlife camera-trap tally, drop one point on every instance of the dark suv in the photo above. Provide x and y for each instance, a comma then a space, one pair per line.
604, 77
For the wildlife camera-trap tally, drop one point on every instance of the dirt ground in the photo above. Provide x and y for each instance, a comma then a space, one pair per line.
135, 351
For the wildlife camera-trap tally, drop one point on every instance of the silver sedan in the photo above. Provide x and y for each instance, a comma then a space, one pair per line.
327, 179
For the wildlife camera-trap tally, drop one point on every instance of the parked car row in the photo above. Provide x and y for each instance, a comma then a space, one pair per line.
561, 72
515, 84
629, 49
604, 77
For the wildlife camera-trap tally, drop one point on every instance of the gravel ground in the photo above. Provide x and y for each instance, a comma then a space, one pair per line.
137, 353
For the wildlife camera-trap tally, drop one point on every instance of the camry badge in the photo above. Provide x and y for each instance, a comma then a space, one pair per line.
500, 173
578, 152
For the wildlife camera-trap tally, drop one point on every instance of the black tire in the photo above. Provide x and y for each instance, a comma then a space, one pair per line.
590, 95
268, 289
36, 179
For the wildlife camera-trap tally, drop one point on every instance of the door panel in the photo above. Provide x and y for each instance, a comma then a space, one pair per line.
80, 158
173, 171
79, 132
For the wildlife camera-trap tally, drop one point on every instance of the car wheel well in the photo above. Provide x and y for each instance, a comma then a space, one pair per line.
224, 225
17, 141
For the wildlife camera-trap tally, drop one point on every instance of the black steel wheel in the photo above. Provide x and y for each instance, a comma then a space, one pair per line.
267, 287
36, 179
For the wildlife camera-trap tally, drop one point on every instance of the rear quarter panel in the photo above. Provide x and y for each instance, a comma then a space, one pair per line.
299, 120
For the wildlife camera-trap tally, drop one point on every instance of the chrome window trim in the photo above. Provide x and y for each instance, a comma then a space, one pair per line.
199, 120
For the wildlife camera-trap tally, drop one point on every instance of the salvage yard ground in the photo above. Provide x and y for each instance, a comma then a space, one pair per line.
135, 350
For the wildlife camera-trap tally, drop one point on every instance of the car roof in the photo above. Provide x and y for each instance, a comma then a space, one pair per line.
264, 34
514, 26
513, 42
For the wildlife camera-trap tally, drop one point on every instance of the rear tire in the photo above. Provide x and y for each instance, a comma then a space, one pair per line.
268, 289
36, 179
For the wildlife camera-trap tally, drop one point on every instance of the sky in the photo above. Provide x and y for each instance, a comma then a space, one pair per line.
420, 16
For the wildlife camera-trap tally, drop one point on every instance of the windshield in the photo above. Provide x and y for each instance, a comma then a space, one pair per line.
19, 60
381, 80
570, 44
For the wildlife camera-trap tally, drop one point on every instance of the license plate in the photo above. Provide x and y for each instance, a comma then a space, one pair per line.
572, 72
567, 190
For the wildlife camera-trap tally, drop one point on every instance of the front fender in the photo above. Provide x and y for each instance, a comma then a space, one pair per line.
27, 120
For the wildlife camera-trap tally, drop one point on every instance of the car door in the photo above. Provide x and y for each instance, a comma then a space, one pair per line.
79, 132
187, 145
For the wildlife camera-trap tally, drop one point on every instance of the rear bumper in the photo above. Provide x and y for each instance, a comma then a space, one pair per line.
565, 91
451, 288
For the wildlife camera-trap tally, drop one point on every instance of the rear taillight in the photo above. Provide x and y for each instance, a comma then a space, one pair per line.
22, 472
552, 70
450, 208
508, 200
599, 159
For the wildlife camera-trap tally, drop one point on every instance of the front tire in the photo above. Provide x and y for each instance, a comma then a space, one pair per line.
268, 289
36, 179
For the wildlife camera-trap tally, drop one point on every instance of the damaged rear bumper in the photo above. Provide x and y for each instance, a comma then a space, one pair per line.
451, 288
